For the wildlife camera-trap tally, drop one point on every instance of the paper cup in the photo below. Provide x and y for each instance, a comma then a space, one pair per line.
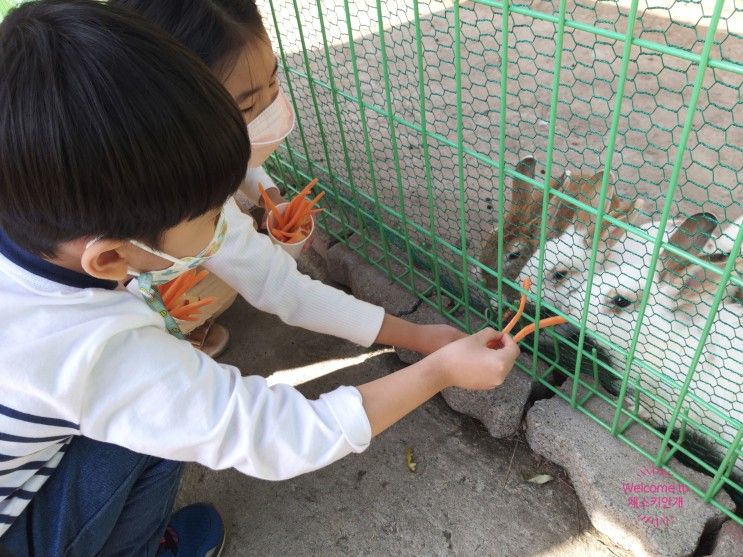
293, 249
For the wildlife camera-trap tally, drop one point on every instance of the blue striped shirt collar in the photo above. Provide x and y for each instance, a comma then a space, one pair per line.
43, 268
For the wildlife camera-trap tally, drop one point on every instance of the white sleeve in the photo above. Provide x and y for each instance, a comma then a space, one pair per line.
253, 177
267, 277
157, 395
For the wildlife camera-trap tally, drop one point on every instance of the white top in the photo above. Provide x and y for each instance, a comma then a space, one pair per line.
82, 356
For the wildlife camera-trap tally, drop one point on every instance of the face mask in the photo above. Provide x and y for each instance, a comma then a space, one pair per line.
180, 266
147, 281
269, 129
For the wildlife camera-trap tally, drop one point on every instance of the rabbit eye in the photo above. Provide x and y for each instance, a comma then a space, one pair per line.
559, 275
514, 255
621, 301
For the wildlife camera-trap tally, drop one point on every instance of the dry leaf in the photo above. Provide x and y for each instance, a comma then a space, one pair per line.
410, 459
540, 479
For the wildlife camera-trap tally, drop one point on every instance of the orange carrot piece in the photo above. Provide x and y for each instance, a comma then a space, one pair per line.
308, 187
269, 205
188, 279
305, 212
279, 234
190, 308
544, 323
297, 203
522, 304
290, 211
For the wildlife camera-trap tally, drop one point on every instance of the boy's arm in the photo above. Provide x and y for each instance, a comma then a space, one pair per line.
466, 363
156, 395
419, 338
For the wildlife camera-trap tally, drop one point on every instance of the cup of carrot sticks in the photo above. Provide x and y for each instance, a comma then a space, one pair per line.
291, 225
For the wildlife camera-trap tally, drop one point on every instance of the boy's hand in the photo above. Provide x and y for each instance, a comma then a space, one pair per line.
430, 338
468, 363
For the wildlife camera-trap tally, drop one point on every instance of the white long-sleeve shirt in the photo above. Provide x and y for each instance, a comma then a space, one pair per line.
81, 356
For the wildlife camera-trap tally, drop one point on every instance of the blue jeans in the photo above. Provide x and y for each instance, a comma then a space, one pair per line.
101, 499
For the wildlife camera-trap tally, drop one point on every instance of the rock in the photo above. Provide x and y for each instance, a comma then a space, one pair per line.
501, 409
608, 474
368, 283
729, 540
311, 263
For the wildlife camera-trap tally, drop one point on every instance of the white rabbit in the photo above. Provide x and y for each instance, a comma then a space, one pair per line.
671, 330
567, 257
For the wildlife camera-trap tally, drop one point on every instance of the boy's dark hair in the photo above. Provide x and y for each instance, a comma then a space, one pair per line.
215, 30
108, 127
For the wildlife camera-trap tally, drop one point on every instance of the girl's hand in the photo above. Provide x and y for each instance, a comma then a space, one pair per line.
468, 363
430, 338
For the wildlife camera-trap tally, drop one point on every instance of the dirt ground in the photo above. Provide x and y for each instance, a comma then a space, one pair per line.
468, 495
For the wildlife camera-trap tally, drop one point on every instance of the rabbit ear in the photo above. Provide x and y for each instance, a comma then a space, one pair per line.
526, 200
621, 210
585, 189
526, 204
697, 284
691, 236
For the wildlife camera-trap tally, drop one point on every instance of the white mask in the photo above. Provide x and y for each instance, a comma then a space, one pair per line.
269, 129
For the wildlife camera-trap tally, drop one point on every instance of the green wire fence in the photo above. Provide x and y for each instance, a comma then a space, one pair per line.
465, 145
414, 115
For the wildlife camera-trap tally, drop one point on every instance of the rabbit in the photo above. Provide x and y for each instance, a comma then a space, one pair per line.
567, 257
519, 225
680, 299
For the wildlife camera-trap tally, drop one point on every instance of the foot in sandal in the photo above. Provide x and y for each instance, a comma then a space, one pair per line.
211, 338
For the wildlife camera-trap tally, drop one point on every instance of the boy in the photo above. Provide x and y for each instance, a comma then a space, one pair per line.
119, 154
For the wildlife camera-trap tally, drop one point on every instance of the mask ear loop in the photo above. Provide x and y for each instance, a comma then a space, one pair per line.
129, 270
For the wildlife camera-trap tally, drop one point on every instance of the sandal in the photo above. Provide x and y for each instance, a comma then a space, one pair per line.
211, 338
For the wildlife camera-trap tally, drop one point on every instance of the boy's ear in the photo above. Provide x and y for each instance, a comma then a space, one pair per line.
105, 259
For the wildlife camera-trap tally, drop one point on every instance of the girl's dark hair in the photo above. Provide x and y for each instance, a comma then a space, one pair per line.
215, 30
108, 127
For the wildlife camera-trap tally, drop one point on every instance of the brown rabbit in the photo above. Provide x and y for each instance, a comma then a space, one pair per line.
519, 241
522, 221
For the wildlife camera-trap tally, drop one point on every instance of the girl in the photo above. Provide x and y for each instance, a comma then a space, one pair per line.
229, 36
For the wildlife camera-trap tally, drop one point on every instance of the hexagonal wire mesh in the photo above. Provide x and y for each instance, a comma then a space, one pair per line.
435, 127
421, 119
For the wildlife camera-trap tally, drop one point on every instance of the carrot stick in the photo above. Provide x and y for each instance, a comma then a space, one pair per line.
279, 234
308, 187
295, 218
529, 329
190, 309
301, 197
290, 211
187, 280
269, 205
522, 304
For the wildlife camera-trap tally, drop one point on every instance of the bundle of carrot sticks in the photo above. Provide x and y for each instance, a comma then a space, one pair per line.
294, 223
174, 296
529, 329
